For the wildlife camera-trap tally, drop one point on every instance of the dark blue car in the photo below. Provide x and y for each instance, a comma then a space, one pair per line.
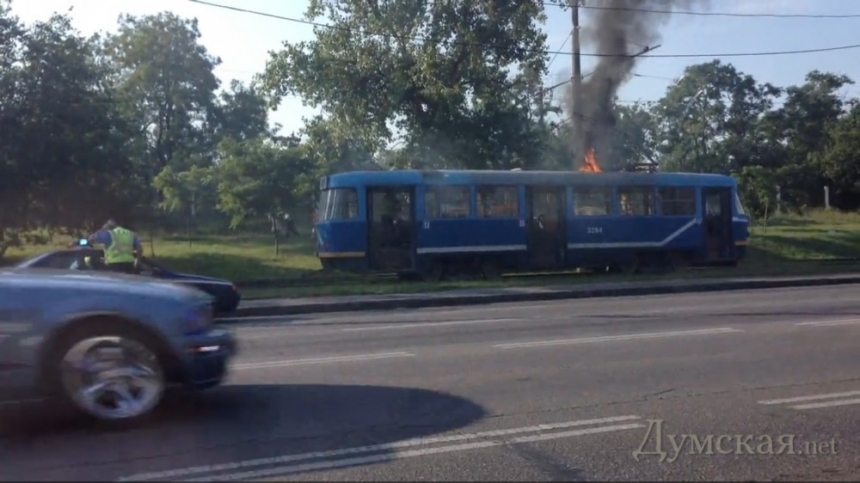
225, 294
107, 345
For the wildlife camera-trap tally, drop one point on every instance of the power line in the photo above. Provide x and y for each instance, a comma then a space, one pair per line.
264, 14
562, 46
646, 76
549, 52
714, 14
742, 54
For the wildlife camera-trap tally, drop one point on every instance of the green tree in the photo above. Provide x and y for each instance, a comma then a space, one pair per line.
756, 188
258, 177
452, 79
166, 79
802, 129
840, 160
63, 141
187, 191
708, 121
633, 139
13, 196
241, 114
332, 149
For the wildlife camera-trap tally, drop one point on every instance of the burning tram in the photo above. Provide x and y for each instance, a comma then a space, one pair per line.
486, 222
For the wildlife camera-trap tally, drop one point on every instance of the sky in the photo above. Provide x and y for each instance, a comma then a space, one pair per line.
243, 41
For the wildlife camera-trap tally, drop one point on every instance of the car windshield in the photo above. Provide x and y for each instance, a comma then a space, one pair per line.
59, 260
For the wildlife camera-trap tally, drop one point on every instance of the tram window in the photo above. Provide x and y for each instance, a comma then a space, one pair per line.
678, 201
739, 207
447, 202
636, 200
404, 205
713, 205
390, 204
340, 204
592, 201
497, 202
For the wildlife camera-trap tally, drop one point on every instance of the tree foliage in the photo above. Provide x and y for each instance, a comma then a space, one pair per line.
451, 79
258, 177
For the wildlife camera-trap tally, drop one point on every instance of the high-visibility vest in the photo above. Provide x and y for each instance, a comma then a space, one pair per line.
121, 249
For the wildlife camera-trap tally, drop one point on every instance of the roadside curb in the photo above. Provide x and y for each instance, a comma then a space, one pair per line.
443, 299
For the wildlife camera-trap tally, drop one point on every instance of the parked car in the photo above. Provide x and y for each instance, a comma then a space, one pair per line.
107, 345
225, 294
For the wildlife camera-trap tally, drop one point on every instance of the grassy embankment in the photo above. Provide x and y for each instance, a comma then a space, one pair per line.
790, 245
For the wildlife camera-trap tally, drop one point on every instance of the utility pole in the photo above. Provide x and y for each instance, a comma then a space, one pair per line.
576, 82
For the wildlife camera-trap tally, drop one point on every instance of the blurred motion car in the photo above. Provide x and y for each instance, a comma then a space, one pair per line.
106, 345
225, 295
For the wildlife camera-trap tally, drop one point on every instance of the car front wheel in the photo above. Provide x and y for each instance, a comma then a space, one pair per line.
112, 376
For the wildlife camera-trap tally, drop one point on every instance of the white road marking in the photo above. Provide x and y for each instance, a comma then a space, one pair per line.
328, 465
321, 360
822, 323
392, 448
629, 306
612, 338
815, 397
829, 404
428, 324
414, 317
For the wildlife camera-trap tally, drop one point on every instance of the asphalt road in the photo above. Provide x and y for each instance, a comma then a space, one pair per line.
571, 390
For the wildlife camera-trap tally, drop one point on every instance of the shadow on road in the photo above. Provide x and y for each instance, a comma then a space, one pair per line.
228, 424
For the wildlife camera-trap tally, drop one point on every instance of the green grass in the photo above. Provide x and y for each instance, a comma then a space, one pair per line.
789, 245
241, 257
816, 236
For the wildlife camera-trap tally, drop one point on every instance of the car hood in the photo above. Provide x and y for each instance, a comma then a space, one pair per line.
99, 281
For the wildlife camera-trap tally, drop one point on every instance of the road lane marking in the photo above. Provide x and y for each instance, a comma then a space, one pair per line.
249, 323
815, 397
397, 455
413, 325
613, 338
824, 323
829, 404
320, 360
391, 447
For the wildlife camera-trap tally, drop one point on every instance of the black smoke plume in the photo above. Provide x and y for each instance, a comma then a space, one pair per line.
624, 27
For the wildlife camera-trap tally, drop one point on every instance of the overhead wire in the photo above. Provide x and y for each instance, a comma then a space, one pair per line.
548, 52
713, 14
563, 44
556, 53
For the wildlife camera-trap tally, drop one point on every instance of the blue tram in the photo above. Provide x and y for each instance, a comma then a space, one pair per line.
432, 222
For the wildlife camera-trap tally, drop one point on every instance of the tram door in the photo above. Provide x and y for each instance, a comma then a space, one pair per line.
719, 242
391, 227
546, 227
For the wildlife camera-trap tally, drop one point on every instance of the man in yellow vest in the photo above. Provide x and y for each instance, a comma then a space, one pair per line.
122, 247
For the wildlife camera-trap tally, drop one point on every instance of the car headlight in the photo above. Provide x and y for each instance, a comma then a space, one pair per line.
198, 319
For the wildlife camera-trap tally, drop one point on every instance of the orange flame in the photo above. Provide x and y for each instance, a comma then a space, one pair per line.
591, 165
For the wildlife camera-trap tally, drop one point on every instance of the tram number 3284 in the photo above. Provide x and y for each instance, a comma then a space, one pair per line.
594, 230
